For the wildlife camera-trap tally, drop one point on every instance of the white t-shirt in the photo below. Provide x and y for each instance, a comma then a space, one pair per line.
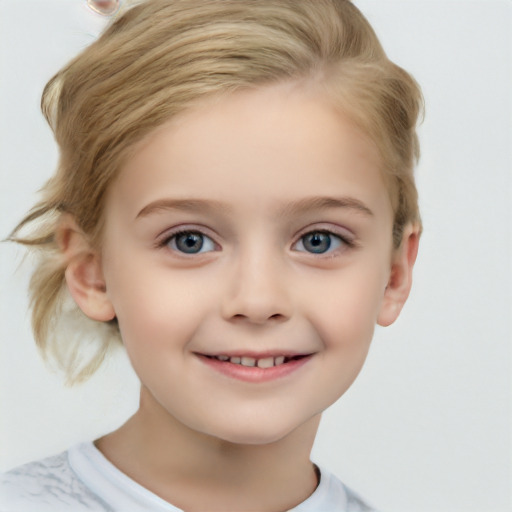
82, 479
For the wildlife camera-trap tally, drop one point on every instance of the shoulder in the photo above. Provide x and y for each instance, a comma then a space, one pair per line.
47, 485
331, 494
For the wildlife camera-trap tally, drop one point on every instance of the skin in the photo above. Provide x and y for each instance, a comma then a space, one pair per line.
255, 169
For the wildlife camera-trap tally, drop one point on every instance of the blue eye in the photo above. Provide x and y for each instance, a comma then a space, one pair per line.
190, 242
318, 242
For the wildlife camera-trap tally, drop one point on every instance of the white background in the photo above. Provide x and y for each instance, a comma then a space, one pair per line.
428, 425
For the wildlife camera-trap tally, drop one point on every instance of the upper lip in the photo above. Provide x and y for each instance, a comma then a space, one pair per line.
254, 354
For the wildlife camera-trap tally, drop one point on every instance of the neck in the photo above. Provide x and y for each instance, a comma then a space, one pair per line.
195, 471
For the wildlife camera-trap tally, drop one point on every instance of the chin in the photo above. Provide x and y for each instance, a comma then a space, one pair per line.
254, 438
251, 440
253, 433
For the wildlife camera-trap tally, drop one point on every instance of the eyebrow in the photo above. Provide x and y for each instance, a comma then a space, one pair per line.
187, 205
324, 203
302, 205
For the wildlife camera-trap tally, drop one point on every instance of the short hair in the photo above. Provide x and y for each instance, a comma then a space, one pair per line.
159, 58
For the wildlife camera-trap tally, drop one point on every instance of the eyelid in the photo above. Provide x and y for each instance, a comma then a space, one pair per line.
162, 240
347, 237
347, 240
344, 233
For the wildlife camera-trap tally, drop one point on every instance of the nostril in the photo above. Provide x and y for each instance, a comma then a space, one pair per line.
253, 304
260, 319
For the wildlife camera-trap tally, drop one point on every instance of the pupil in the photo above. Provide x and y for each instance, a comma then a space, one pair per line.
317, 242
189, 242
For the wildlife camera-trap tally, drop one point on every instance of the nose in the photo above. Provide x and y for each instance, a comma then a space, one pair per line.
257, 292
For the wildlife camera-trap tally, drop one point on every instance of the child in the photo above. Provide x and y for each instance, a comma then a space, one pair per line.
235, 202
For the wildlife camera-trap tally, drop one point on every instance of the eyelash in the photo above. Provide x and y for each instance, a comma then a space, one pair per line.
344, 242
170, 239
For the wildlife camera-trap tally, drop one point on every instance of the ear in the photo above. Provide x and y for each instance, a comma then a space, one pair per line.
84, 276
400, 279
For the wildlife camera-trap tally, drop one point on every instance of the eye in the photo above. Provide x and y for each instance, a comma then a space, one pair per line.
190, 242
319, 242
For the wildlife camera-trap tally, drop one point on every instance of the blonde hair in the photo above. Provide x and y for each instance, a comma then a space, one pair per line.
159, 58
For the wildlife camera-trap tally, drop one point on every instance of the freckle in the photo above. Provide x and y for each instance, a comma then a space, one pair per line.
105, 7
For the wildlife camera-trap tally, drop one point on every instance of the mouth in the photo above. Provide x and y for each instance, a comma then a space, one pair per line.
255, 368
262, 362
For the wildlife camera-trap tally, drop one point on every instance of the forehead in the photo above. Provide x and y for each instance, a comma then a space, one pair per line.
269, 145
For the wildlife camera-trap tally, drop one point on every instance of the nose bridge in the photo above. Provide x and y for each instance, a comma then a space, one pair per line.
257, 290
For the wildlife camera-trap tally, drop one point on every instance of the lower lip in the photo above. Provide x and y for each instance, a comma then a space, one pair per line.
254, 373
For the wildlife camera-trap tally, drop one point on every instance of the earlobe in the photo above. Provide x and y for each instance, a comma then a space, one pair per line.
400, 279
84, 276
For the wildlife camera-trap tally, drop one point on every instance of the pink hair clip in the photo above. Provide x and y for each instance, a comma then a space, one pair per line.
105, 7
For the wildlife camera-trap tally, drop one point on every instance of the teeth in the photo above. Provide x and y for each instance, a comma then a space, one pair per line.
267, 362
279, 360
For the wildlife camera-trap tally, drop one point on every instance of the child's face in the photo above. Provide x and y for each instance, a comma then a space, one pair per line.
255, 226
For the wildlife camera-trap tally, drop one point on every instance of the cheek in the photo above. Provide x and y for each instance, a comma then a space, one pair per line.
157, 310
353, 301
346, 325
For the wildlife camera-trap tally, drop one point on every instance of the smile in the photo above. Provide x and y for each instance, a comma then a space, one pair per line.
255, 369
265, 362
